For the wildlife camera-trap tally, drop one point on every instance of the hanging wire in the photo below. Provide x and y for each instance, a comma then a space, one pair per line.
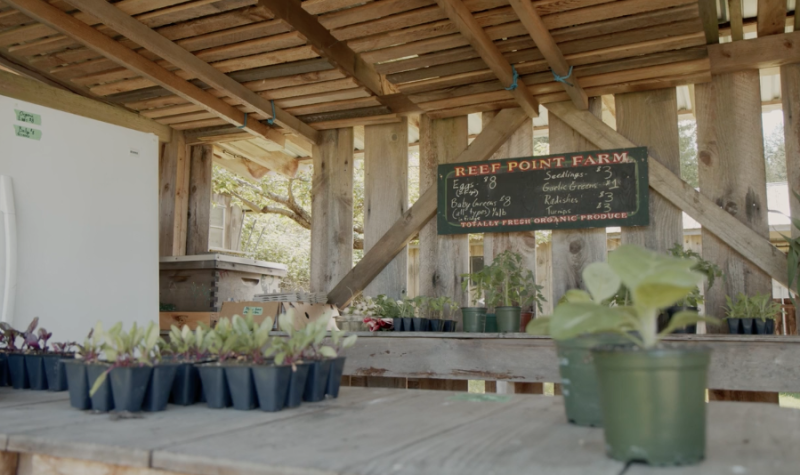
563, 79
514, 81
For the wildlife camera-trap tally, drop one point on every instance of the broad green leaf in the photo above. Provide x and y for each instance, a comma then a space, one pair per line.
349, 341
99, 382
681, 319
574, 319
576, 295
601, 280
327, 352
538, 326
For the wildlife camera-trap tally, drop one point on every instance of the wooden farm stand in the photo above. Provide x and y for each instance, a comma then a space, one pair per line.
259, 86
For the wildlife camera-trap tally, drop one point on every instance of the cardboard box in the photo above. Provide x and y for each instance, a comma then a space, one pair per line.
179, 319
309, 312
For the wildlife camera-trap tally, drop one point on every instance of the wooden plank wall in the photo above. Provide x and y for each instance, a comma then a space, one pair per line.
520, 144
332, 209
173, 185
790, 95
732, 172
199, 209
442, 259
651, 117
574, 249
385, 201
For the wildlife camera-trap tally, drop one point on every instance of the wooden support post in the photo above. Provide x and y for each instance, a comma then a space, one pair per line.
520, 144
8, 463
442, 259
790, 95
173, 179
573, 249
199, 202
386, 199
332, 209
651, 118
732, 173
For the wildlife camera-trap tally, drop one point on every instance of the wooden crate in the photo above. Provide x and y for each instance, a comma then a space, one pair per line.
167, 319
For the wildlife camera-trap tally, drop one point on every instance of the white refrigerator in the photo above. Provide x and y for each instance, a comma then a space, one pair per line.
78, 221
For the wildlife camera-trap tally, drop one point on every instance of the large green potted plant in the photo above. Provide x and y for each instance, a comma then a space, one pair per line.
510, 288
652, 396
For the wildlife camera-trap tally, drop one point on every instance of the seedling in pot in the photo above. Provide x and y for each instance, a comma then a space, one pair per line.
187, 346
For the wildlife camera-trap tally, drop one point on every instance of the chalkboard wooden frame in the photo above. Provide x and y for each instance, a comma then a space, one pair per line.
462, 186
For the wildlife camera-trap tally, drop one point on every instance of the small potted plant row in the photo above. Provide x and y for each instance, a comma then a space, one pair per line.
420, 314
508, 287
752, 315
648, 396
35, 364
252, 369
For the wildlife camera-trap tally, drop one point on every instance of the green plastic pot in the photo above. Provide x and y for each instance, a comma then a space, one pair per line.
579, 378
474, 319
491, 323
653, 401
508, 319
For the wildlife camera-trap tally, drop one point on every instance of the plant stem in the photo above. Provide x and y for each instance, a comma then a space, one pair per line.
649, 327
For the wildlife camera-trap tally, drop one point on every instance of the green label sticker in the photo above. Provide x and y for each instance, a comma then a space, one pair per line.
473, 397
28, 117
27, 132
254, 311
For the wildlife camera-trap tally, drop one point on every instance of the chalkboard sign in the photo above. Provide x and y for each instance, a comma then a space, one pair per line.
565, 191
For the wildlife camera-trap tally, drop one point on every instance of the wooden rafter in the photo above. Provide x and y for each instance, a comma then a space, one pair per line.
335, 51
460, 15
33, 91
737, 19
547, 46
395, 239
771, 17
135, 31
767, 52
736, 234
126, 57
710, 19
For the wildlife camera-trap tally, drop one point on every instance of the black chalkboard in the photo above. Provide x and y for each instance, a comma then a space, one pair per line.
565, 191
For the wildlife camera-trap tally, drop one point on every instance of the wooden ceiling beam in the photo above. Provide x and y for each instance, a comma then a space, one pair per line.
737, 19
30, 90
759, 53
460, 15
710, 19
552, 54
137, 32
335, 51
66, 24
771, 17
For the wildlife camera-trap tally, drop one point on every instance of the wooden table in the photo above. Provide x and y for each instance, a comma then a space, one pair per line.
367, 431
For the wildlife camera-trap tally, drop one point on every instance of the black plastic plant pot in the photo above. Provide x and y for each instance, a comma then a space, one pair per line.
764, 327
37, 379
17, 372
129, 385
734, 326
55, 371
747, 326
317, 381
508, 319
397, 324
448, 326
241, 387
335, 377
186, 385
419, 324
78, 384
272, 386
407, 324
474, 319
769, 329
102, 400
215, 386
653, 402
157, 395
3, 370
297, 385
579, 378
436, 325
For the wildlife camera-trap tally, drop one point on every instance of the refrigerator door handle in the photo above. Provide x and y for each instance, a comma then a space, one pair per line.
9, 216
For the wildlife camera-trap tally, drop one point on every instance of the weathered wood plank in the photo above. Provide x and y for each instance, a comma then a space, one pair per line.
767, 52
736, 234
573, 249
401, 232
790, 95
332, 209
28, 90
652, 118
173, 176
8, 461
442, 259
708, 15
746, 363
199, 199
771, 17
386, 199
